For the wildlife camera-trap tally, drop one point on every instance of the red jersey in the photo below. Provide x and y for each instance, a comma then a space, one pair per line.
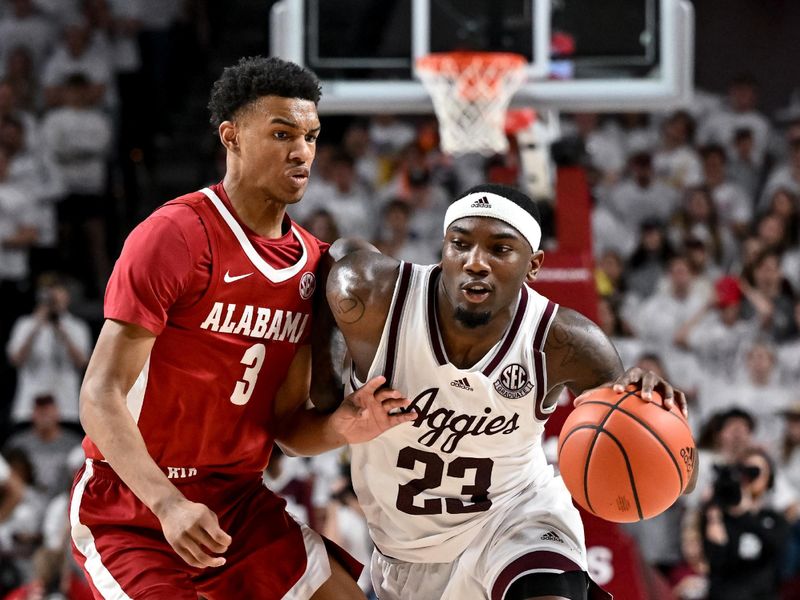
230, 310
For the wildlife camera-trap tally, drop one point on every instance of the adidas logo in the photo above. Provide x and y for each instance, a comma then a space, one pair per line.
551, 536
481, 203
463, 384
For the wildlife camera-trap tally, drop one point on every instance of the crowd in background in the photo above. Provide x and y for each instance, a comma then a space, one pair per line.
696, 232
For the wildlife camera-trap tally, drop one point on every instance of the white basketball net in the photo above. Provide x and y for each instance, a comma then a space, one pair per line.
471, 93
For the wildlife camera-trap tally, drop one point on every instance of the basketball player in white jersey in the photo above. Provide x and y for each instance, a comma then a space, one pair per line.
461, 502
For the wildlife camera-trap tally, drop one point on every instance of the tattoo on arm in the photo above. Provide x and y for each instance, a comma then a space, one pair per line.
565, 344
580, 353
349, 308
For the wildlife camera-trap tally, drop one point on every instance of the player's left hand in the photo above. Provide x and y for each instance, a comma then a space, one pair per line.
369, 411
647, 381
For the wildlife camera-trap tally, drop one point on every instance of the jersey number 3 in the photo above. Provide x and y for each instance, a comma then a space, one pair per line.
253, 359
432, 478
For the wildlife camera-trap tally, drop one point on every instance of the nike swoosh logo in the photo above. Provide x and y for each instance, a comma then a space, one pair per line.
230, 279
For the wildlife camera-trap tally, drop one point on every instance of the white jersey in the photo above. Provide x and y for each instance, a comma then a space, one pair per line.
428, 486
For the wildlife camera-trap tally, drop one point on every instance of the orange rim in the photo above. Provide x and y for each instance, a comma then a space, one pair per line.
463, 59
476, 74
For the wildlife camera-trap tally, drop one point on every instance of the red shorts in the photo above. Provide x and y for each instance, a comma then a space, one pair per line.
119, 543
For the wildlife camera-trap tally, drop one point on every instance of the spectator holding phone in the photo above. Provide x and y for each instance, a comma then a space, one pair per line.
49, 349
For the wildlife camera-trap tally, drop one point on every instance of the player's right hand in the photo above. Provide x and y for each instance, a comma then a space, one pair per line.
193, 531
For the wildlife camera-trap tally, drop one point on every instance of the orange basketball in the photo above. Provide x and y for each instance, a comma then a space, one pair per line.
623, 458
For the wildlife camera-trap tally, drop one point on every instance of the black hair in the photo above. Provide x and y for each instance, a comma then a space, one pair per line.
744, 79
688, 120
256, 76
712, 149
735, 413
397, 204
21, 464
514, 195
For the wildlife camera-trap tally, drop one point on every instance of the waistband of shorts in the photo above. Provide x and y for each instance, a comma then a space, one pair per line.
179, 475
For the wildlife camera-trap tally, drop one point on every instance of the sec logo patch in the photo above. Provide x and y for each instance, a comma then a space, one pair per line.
308, 283
513, 382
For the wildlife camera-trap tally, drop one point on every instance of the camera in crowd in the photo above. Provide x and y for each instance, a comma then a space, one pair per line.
729, 482
45, 297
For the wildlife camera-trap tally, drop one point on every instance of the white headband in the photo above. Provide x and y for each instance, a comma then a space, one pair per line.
486, 204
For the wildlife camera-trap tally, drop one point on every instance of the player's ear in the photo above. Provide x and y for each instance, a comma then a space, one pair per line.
229, 135
537, 258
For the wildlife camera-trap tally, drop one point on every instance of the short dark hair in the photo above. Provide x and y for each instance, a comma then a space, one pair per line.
735, 413
256, 76
517, 197
712, 149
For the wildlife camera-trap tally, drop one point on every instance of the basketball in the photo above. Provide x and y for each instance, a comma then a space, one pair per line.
623, 458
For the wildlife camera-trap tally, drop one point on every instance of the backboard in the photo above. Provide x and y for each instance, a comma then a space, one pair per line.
614, 55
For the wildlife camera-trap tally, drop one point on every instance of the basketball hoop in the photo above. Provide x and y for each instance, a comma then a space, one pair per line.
471, 92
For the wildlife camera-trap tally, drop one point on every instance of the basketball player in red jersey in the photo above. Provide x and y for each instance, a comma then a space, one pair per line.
203, 362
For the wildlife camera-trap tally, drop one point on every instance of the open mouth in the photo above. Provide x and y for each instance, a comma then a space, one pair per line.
476, 292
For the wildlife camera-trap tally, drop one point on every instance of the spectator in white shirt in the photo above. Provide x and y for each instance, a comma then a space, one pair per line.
18, 233
768, 296
77, 54
345, 197
740, 113
743, 168
661, 317
50, 349
78, 137
37, 177
716, 333
675, 161
641, 196
25, 27
649, 260
395, 239
734, 207
698, 218
785, 175
10, 108
48, 446
789, 355
757, 389
601, 145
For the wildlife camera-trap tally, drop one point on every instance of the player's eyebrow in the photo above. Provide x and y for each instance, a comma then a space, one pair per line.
461, 230
503, 235
292, 124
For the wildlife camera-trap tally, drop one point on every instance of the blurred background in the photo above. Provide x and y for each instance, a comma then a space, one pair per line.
692, 216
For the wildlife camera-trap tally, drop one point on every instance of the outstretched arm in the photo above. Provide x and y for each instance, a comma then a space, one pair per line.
305, 431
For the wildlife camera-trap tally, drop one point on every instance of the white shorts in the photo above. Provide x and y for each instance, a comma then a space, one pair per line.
540, 532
